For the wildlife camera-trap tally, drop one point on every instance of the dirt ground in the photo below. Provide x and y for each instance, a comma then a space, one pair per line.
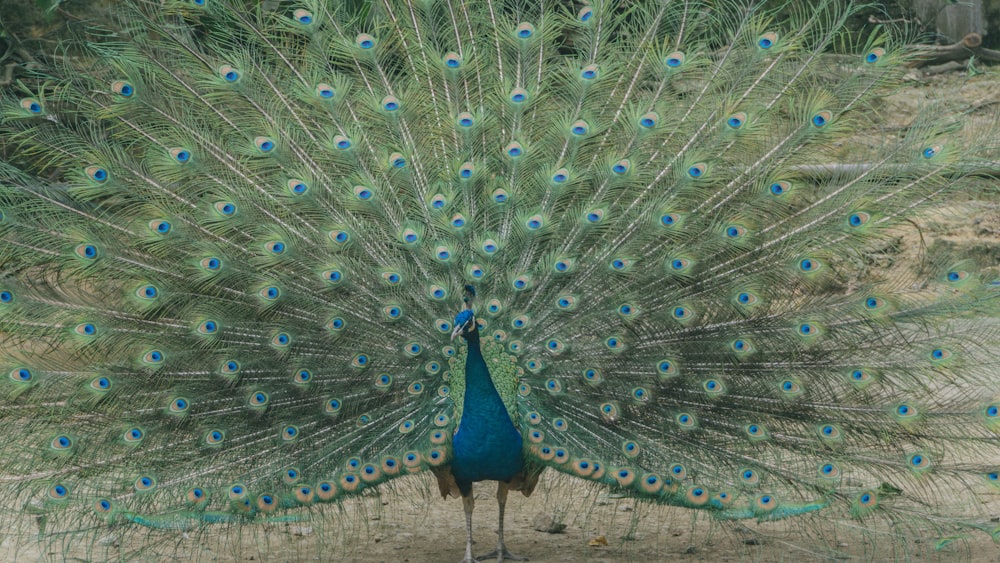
413, 525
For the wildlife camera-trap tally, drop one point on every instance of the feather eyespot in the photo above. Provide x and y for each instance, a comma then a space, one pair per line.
101, 384
589, 72
58, 492
133, 435
397, 160
179, 405
332, 406
830, 433
674, 60
779, 188
364, 193
686, 421
32, 106
96, 173
180, 155
383, 381
452, 60
303, 17
666, 369
594, 216
269, 293
214, 437
919, 462
821, 119
229, 73
153, 357
940, 354
875, 55
518, 95
858, 219
225, 208
735, 231
391, 103
465, 120
697, 170
302, 377
61, 443
767, 40
341, 142
87, 251
957, 275
829, 471
713, 387
809, 265
258, 399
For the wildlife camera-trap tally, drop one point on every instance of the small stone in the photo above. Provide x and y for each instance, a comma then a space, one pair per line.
691, 550
751, 541
626, 508
548, 523
300, 530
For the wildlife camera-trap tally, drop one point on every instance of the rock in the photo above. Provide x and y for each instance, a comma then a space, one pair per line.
548, 523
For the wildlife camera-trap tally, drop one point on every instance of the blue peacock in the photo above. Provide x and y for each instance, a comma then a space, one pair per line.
255, 262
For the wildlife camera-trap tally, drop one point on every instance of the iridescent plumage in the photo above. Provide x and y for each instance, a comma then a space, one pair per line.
234, 243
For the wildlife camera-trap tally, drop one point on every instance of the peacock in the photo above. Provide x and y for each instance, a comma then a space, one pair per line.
255, 261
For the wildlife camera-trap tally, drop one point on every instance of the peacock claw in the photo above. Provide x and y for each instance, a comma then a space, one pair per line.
501, 556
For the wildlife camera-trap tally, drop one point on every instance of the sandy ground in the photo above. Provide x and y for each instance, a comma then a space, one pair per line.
411, 524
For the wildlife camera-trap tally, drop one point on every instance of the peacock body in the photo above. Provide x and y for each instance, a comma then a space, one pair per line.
234, 243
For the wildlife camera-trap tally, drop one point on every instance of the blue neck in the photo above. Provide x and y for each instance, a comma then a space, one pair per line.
480, 393
487, 445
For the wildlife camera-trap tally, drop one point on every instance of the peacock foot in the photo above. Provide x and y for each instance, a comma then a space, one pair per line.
501, 555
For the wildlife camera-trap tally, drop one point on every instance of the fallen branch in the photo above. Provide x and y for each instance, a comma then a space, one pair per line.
939, 55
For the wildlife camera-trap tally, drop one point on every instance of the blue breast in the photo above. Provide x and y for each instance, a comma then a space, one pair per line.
487, 445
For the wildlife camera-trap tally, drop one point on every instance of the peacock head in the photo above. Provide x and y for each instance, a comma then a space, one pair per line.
465, 324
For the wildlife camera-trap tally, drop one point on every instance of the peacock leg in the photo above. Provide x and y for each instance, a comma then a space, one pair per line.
501, 552
468, 503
